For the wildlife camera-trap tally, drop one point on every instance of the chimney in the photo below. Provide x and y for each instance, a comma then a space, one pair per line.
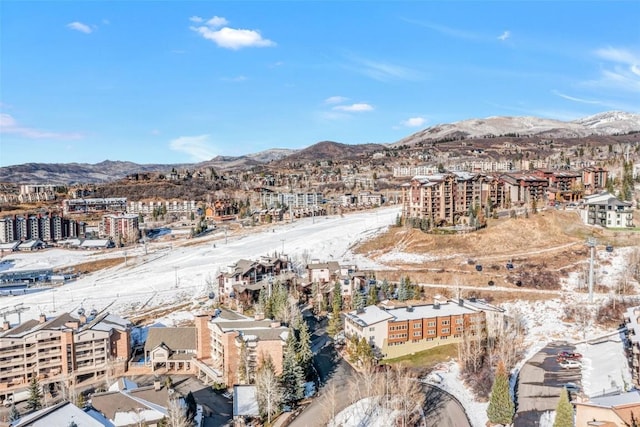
42, 318
83, 319
157, 385
6, 325
460, 302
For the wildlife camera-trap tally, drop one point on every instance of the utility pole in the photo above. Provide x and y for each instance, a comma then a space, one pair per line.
175, 268
282, 240
591, 243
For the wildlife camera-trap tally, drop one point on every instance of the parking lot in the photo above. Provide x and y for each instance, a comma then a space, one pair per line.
539, 384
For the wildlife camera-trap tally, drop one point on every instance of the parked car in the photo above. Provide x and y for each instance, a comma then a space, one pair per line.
570, 355
570, 364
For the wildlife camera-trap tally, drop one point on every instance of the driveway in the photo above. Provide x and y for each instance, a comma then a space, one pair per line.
218, 409
442, 409
539, 384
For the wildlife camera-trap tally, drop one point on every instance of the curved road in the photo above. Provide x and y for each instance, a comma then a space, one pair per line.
442, 409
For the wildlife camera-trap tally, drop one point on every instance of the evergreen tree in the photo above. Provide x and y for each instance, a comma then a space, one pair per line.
35, 395
292, 378
385, 288
501, 409
336, 302
402, 291
359, 300
192, 406
564, 411
304, 353
365, 353
14, 414
265, 303
372, 296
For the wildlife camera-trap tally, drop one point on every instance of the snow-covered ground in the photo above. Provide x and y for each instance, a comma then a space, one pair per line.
172, 274
476, 411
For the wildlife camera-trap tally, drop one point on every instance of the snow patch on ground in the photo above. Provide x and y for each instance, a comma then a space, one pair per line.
365, 412
452, 383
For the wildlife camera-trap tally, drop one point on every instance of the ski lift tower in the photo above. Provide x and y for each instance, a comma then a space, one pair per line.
591, 243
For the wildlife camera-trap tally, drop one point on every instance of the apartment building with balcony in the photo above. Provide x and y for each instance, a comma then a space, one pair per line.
231, 345
93, 205
594, 179
398, 331
63, 349
120, 226
47, 228
524, 188
606, 210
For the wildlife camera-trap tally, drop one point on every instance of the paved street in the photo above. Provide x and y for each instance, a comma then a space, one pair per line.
539, 384
443, 410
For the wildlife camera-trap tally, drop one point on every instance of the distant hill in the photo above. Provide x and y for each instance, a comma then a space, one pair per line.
608, 123
330, 150
602, 124
108, 171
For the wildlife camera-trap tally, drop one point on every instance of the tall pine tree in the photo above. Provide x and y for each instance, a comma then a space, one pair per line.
304, 354
35, 395
501, 409
292, 378
564, 410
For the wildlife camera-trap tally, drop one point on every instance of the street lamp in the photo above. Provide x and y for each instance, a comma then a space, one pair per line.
282, 240
175, 268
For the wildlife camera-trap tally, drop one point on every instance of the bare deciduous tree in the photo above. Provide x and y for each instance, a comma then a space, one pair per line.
176, 414
268, 390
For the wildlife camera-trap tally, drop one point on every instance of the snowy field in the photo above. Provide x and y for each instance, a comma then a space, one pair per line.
169, 275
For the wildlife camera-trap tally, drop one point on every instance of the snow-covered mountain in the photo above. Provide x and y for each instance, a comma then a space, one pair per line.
607, 123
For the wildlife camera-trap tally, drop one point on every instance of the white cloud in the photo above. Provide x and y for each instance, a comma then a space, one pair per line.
79, 26
215, 29
336, 100
382, 71
573, 98
445, 30
198, 147
217, 22
354, 108
414, 122
155, 132
504, 36
624, 73
10, 126
196, 19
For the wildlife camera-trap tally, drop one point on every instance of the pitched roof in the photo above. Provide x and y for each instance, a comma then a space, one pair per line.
112, 402
58, 415
174, 338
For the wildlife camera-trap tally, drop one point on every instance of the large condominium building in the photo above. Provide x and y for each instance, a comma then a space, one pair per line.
606, 210
64, 349
395, 332
123, 226
92, 205
168, 206
44, 227
294, 200
236, 348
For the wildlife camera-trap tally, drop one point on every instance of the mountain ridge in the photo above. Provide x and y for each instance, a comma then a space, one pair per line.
606, 123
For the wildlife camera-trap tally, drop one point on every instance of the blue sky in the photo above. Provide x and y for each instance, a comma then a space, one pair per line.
173, 82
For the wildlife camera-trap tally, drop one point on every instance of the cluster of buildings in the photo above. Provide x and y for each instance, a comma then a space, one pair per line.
444, 198
94, 205
41, 227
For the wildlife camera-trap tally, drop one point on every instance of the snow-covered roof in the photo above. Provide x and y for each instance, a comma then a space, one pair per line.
245, 401
430, 310
58, 415
95, 243
371, 315
617, 400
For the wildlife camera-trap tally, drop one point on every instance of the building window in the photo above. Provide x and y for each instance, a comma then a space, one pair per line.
445, 330
445, 322
432, 323
417, 325
371, 329
459, 321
